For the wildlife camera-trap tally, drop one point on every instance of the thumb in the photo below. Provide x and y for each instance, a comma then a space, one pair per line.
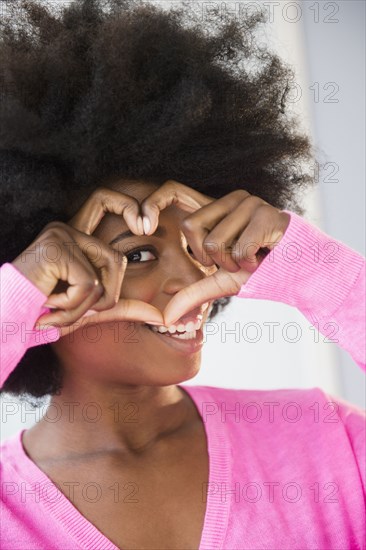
220, 284
127, 310
124, 310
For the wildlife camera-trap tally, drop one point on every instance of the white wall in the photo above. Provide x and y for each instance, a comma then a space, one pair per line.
324, 42
322, 50
336, 53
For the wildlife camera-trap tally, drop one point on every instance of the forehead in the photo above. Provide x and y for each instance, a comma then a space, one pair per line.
142, 189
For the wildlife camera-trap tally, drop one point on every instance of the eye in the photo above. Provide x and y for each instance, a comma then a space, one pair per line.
140, 255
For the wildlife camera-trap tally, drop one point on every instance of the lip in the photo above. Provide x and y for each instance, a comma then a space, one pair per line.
193, 316
187, 347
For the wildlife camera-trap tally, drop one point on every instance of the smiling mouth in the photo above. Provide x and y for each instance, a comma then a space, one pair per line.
186, 335
184, 343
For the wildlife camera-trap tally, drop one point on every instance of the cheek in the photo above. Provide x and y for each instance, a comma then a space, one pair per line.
140, 286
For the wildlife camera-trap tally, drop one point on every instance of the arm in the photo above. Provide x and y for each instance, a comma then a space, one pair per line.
20, 305
320, 276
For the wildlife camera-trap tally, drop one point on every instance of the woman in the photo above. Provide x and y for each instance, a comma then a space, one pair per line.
149, 174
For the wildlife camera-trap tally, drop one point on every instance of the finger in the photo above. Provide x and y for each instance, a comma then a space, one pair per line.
196, 227
208, 244
256, 240
74, 295
124, 310
79, 274
105, 200
171, 192
223, 239
218, 285
111, 267
129, 310
112, 277
246, 249
62, 317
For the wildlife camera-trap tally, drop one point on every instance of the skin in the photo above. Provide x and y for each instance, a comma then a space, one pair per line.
144, 372
149, 431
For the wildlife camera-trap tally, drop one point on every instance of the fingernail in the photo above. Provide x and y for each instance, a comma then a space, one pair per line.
140, 225
146, 224
158, 323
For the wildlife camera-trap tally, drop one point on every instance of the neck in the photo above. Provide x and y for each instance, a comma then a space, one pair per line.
130, 419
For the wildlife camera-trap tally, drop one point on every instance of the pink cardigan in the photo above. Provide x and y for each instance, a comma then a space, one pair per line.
287, 467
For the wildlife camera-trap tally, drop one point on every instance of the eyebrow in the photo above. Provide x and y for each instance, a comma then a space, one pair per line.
159, 232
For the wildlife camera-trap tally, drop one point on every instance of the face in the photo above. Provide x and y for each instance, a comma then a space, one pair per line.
159, 266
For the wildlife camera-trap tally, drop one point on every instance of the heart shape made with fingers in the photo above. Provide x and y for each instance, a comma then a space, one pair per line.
219, 284
225, 229
236, 232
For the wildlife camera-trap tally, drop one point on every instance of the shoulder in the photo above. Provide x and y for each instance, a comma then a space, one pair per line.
256, 395
10, 449
286, 406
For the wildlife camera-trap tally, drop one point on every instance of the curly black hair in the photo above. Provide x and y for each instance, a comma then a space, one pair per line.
105, 88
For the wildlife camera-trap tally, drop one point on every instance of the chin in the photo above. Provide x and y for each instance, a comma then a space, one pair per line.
157, 372
176, 374
177, 378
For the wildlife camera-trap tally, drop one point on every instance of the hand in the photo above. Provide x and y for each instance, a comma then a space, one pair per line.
94, 280
234, 232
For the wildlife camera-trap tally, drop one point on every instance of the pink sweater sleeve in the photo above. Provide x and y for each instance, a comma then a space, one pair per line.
20, 306
321, 277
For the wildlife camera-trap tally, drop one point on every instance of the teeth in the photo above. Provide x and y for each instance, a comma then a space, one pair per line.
181, 328
183, 336
186, 336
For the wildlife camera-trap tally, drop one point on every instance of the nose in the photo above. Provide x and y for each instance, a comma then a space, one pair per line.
182, 271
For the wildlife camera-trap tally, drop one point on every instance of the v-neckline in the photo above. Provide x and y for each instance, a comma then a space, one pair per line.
220, 473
